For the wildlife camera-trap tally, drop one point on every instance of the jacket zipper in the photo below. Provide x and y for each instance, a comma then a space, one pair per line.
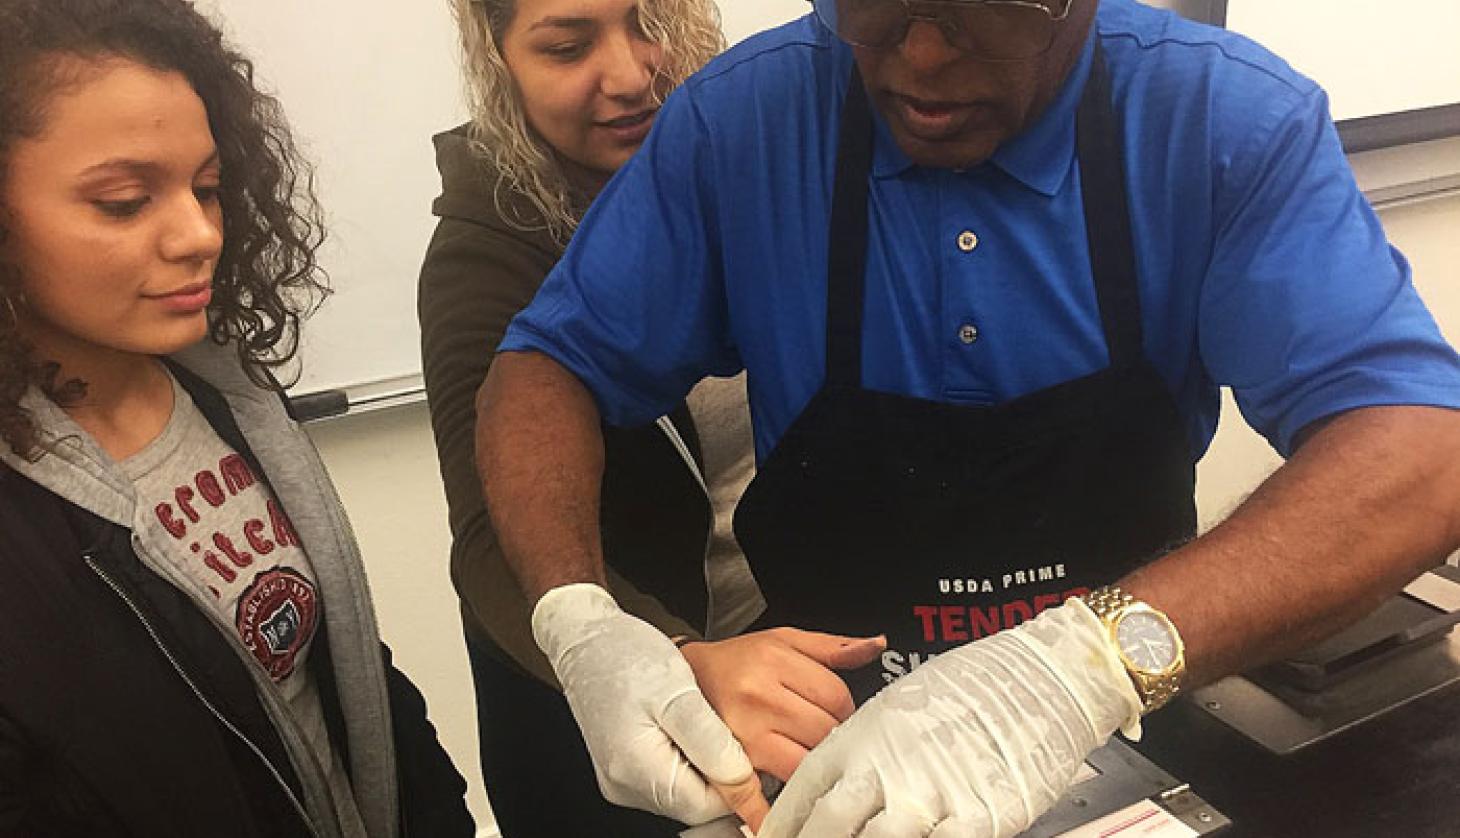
192, 685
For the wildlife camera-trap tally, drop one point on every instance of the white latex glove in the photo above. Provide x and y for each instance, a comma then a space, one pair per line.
976, 743
652, 735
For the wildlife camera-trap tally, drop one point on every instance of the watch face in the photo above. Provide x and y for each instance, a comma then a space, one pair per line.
1146, 641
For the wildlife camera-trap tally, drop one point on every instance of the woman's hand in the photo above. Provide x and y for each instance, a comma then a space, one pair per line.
777, 690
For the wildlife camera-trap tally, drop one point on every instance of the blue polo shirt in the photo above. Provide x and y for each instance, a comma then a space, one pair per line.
1261, 266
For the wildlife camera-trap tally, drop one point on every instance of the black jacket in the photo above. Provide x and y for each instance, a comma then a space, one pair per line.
124, 712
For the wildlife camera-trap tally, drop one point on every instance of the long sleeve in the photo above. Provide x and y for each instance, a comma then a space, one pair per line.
474, 280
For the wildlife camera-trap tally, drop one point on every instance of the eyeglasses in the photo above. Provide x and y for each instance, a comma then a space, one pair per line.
991, 30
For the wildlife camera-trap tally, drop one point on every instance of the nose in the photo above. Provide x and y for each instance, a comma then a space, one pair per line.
193, 231
628, 68
925, 47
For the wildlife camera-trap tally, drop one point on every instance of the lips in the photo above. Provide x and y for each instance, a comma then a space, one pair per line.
934, 104
189, 298
630, 127
629, 120
930, 119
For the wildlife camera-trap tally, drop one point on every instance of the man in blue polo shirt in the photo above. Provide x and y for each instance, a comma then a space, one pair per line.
987, 265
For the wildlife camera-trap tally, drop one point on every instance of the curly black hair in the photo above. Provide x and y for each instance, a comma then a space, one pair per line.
267, 279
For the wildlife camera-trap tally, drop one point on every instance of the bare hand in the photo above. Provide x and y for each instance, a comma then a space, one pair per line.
777, 690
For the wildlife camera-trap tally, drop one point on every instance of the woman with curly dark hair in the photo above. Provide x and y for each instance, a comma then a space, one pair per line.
187, 643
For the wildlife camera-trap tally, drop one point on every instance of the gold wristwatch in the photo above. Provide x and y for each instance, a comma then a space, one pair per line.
1147, 642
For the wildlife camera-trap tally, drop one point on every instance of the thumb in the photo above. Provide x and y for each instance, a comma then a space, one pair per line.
836, 651
712, 749
705, 739
746, 800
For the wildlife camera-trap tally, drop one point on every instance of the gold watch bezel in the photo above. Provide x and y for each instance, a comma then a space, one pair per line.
1154, 687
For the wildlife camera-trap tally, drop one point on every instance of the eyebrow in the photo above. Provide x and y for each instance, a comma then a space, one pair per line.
563, 23
141, 167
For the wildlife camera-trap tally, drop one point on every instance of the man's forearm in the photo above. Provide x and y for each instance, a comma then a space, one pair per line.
1369, 501
539, 451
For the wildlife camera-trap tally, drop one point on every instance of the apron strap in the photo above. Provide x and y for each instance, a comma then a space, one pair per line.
1101, 151
846, 260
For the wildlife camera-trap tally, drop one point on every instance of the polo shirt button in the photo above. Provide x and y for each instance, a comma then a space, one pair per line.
967, 241
968, 333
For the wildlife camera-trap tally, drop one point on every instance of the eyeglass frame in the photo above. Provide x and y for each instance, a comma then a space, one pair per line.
943, 23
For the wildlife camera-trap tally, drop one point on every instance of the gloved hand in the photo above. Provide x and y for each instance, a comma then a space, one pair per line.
976, 743
655, 742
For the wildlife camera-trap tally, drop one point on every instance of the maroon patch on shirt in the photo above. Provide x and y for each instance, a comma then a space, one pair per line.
276, 619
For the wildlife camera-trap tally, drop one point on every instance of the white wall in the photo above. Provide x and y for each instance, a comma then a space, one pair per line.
1345, 44
740, 18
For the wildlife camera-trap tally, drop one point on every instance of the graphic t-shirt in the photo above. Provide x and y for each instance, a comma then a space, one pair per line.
232, 540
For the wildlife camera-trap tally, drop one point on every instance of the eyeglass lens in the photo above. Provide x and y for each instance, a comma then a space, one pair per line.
998, 31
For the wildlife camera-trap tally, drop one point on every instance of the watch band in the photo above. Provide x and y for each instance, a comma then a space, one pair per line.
1110, 603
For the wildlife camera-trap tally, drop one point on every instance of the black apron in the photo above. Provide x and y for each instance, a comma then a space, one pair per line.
937, 524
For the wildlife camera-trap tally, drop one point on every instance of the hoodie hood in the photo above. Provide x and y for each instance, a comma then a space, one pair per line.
473, 190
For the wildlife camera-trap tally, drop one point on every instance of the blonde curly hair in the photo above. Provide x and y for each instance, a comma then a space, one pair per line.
688, 33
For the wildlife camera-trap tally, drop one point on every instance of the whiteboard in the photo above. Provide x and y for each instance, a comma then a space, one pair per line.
365, 84
1373, 58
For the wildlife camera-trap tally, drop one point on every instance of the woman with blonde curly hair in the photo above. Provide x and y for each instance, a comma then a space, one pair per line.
562, 94
187, 644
